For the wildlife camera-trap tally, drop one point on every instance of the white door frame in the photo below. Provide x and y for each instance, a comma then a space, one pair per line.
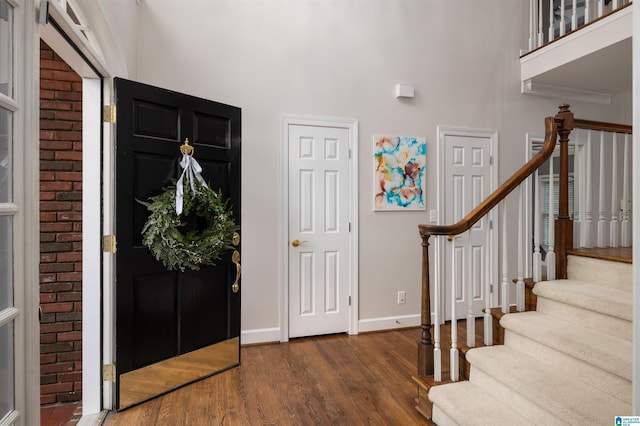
287, 120
97, 202
443, 132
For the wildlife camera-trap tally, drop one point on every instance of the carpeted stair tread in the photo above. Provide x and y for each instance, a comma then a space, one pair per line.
465, 403
607, 352
601, 272
608, 301
538, 391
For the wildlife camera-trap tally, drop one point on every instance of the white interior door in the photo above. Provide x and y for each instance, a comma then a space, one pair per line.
467, 181
318, 230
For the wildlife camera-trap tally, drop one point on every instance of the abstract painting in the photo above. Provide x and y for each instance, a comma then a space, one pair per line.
399, 172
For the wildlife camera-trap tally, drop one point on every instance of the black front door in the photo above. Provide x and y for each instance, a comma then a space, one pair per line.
171, 327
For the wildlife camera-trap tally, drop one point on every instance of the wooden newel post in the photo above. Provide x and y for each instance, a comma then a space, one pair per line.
563, 224
425, 346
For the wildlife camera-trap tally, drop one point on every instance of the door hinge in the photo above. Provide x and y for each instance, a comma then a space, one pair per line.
349, 226
491, 160
109, 373
109, 113
109, 243
349, 300
491, 224
490, 288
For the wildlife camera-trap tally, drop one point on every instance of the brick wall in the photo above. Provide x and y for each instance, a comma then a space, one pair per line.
60, 230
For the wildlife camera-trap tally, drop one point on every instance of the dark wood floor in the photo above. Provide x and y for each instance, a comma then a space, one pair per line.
330, 380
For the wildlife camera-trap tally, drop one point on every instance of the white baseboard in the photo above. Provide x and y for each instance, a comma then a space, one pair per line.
260, 335
388, 323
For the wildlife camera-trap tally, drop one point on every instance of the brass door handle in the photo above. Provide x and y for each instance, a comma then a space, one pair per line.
236, 259
297, 242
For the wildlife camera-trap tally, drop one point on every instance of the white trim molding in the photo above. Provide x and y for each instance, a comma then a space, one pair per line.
260, 335
531, 87
389, 323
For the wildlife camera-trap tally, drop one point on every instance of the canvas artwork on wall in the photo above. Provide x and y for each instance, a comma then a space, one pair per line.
399, 172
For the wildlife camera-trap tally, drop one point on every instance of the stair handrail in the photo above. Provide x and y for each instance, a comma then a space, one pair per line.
561, 123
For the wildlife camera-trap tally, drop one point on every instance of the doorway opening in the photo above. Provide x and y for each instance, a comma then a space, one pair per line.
60, 230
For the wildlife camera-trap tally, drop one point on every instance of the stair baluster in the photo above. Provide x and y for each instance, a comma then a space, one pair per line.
470, 278
614, 225
504, 287
438, 317
488, 319
625, 227
601, 209
537, 219
454, 353
551, 254
588, 198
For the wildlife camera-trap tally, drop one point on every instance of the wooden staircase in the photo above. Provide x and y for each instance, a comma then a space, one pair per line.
620, 400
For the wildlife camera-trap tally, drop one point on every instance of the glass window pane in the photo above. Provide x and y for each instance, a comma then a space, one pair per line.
6, 48
6, 262
6, 370
6, 137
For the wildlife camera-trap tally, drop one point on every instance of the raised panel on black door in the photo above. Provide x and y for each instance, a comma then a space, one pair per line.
164, 314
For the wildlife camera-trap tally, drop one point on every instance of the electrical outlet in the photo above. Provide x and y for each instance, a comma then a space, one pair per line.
433, 216
402, 297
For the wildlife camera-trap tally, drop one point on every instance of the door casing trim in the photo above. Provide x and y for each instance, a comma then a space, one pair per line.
287, 120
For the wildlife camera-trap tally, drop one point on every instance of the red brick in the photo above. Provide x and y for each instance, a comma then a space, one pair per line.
55, 145
47, 216
67, 76
47, 196
56, 267
46, 155
68, 96
48, 338
48, 358
55, 125
48, 257
55, 247
56, 327
49, 95
46, 176
75, 116
70, 377
69, 135
54, 206
69, 396
53, 64
47, 278
47, 298
68, 155
47, 238
69, 176
57, 307
55, 227
56, 348
55, 287
70, 336
70, 356
57, 166
47, 399
57, 387
55, 105
56, 368
70, 276
70, 297
57, 84
67, 237
69, 257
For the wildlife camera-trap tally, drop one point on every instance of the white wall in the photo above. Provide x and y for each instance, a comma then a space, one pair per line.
342, 58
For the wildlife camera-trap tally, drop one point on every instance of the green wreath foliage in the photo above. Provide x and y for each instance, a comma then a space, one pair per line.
176, 249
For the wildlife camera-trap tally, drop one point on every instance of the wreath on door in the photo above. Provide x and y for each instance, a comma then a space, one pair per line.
190, 201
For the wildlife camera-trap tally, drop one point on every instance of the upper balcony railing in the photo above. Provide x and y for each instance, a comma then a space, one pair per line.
552, 19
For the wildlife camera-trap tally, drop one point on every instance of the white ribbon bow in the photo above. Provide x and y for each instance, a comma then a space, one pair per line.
192, 170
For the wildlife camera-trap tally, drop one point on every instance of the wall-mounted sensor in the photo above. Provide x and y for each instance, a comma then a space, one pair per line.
404, 91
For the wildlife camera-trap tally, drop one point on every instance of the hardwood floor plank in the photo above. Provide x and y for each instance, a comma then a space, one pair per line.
328, 380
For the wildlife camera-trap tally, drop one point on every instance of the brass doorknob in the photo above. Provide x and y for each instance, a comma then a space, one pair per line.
297, 242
